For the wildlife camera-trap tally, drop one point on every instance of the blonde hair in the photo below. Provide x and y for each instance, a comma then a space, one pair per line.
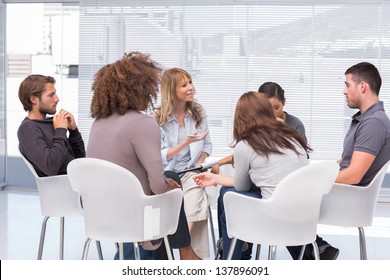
170, 80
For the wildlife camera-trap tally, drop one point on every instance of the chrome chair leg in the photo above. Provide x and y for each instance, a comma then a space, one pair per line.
86, 249
137, 254
213, 233
231, 249
121, 252
362, 244
316, 251
258, 249
302, 252
168, 248
42, 239
62, 233
271, 252
99, 250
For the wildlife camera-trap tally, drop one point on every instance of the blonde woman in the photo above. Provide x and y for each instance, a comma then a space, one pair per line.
185, 143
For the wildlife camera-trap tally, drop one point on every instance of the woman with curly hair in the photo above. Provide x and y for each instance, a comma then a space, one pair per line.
123, 134
185, 143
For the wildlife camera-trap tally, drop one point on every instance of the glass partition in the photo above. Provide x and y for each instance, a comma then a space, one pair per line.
45, 42
2, 98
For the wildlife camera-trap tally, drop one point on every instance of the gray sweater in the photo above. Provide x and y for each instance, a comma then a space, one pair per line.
49, 150
264, 172
132, 141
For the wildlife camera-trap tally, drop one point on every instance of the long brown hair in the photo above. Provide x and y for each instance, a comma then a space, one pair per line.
255, 123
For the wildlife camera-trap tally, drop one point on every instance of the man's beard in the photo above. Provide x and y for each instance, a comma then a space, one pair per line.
46, 110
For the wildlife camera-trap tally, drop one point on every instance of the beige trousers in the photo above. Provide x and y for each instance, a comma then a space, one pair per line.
196, 209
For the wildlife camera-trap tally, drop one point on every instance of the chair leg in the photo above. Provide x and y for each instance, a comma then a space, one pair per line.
137, 253
271, 252
121, 252
212, 233
168, 248
231, 249
362, 243
316, 251
99, 250
86, 249
300, 257
42, 239
62, 236
258, 249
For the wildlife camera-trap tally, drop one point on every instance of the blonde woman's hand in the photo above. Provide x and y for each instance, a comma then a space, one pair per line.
192, 138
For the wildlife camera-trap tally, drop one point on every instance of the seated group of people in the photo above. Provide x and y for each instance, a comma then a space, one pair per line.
152, 142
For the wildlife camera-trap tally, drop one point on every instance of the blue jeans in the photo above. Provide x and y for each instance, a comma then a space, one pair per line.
128, 252
237, 254
308, 254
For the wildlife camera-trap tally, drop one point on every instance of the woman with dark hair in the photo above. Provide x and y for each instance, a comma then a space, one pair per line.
265, 151
275, 95
123, 134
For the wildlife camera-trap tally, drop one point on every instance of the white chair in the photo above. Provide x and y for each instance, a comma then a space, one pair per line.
353, 206
212, 198
57, 199
116, 208
289, 217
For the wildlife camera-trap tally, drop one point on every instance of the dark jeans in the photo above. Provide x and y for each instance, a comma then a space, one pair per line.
180, 239
237, 254
246, 255
308, 254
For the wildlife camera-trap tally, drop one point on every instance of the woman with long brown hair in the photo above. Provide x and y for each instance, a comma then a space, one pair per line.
265, 151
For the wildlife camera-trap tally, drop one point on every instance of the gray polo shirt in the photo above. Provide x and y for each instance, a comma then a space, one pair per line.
370, 133
295, 123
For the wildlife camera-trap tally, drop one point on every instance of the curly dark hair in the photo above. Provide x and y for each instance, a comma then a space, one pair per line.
129, 83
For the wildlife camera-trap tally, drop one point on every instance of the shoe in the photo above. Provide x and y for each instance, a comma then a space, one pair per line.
330, 253
218, 256
245, 247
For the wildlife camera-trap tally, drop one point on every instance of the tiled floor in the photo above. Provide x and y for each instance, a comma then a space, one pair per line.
20, 224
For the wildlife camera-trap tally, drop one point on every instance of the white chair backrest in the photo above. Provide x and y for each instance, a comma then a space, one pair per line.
56, 196
115, 206
302, 190
352, 206
290, 216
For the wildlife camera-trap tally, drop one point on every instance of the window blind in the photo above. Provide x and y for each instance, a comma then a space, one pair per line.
230, 47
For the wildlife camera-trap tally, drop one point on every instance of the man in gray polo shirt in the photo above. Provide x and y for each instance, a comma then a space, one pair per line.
367, 143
